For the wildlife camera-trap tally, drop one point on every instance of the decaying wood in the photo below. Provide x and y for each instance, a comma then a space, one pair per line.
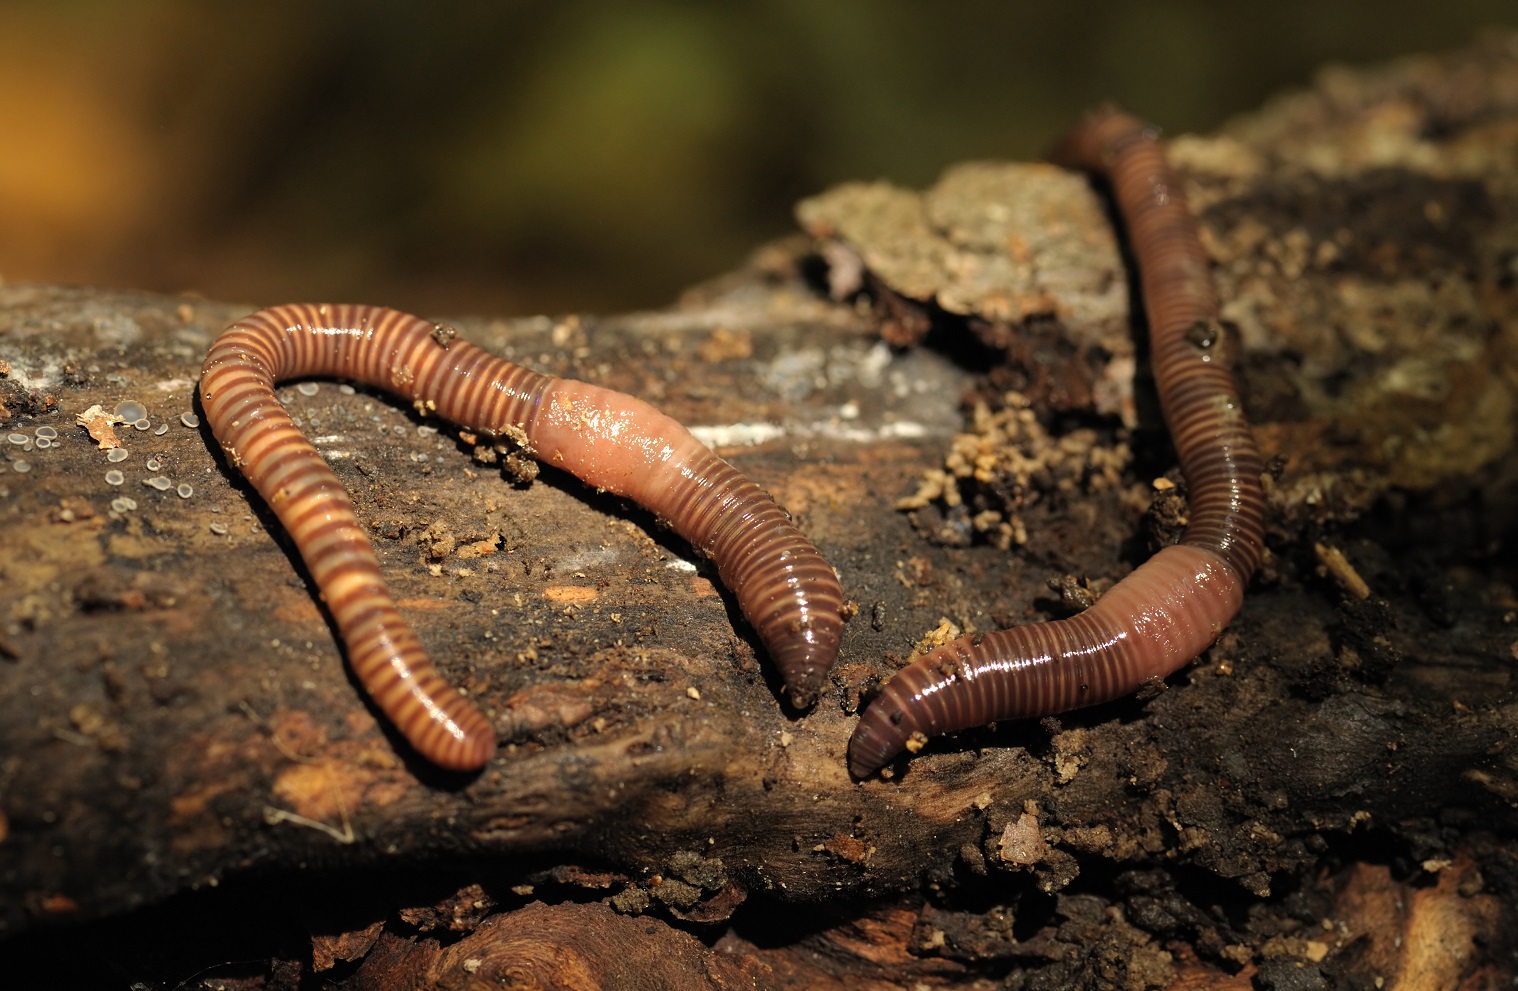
175, 716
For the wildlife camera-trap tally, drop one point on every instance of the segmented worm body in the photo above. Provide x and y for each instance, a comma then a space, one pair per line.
608, 439
1169, 609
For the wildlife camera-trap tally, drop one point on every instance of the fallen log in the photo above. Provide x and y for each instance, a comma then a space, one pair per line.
176, 723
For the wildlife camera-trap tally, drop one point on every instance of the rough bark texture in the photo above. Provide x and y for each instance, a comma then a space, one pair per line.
188, 780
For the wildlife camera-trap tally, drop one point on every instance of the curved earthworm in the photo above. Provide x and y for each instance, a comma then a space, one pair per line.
1172, 607
610, 440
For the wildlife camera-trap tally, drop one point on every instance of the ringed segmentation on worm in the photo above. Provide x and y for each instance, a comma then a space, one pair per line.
610, 440
1172, 607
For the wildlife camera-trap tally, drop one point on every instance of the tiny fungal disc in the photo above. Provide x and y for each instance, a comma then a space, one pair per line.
114, 477
117, 454
131, 411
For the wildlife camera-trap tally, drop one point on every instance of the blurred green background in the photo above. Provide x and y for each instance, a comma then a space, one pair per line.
521, 157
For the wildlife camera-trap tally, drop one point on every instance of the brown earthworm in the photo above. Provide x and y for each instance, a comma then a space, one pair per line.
610, 440
1172, 607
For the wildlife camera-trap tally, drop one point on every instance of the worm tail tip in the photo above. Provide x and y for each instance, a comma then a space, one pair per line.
470, 754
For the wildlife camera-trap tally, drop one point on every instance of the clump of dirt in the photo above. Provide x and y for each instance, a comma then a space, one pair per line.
1007, 461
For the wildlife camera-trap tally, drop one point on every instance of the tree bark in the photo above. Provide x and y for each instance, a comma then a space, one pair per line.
175, 715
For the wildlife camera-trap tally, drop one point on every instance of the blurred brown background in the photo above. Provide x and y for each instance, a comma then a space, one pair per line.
513, 157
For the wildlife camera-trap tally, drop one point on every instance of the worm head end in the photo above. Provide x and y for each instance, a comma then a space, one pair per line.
802, 697
805, 660
805, 674
869, 750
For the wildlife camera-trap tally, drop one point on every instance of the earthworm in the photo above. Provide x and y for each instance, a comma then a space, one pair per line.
610, 440
1173, 606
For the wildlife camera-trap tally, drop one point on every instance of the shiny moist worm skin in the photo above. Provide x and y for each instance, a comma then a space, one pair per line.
1172, 607
608, 439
